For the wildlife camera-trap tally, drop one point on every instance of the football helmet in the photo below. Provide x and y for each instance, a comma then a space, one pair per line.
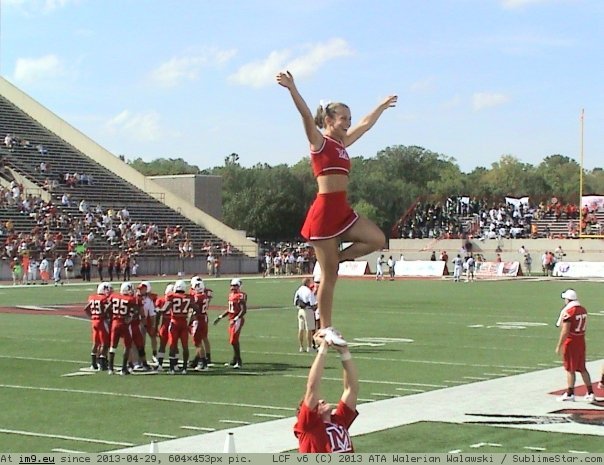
103, 288
127, 288
147, 284
180, 286
236, 282
198, 285
169, 289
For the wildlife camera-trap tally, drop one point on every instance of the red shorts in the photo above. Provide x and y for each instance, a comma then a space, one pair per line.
178, 331
164, 333
235, 330
329, 216
199, 329
137, 336
574, 355
119, 329
100, 333
150, 326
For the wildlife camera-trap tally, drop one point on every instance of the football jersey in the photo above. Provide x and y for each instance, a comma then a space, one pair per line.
122, 306
179, 305
97, 304
577, 317
236, 299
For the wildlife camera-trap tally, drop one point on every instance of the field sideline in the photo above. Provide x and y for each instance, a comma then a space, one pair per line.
427, 350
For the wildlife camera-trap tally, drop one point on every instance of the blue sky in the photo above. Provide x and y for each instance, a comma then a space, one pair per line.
476, 79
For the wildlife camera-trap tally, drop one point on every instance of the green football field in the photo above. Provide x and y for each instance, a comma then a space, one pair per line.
408, 336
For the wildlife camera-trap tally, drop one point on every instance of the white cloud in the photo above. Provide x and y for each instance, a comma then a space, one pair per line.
29, 70
514, 4
482, 100
143, 127
45, 6
308, 60
187, 68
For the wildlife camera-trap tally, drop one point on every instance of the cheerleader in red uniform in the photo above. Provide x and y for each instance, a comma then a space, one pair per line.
330, 219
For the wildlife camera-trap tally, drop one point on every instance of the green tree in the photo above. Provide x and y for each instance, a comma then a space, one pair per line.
164, 167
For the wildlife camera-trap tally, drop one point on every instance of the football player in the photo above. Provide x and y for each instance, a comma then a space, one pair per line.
122, 306
96, 309
180, 305
236, 311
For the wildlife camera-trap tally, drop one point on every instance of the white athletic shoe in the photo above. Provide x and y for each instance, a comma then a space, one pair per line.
236, 366
566, 397
589, 397
334, 337
300, 349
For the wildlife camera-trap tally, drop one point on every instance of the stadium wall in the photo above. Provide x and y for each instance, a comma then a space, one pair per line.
421, 249
102, 156
170, 266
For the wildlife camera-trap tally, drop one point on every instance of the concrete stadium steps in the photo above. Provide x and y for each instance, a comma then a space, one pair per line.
107, 189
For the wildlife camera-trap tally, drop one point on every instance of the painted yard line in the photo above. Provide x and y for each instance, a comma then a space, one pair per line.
571, 451
513, 370
158, 435
410, 390
475, 378
365, 400
198, 428
67, 438
36, 307
454, 381
79, 318
538, 449
268, 415
235, 422
139, 396
383, 394
53, 360
79, 373
68, 451
495, 374
371, 381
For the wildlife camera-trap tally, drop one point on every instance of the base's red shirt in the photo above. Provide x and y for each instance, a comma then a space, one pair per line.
316, 436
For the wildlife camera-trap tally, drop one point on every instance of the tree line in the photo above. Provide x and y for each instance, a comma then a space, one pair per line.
270, 202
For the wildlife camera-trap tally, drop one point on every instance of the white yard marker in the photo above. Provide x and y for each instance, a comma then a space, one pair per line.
235, 422
140, 396
158, 435
538, 449
68, 438
268, 415
68, 451
198, 428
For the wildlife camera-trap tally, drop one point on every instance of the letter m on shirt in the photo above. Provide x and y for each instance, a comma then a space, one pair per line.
338, 438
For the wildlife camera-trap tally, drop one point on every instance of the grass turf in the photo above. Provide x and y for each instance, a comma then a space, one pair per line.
412, 331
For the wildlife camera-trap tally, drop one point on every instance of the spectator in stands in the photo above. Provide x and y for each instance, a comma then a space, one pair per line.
65, 200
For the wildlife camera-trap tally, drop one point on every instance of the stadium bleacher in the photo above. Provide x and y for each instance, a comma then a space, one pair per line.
32, 144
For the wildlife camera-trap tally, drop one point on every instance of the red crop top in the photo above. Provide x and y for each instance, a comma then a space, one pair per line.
332, 158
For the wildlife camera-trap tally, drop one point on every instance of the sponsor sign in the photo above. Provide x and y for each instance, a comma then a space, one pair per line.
496, 269
345, 269
419, 268
579, 269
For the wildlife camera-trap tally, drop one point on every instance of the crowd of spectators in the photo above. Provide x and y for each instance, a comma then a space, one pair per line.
464, 217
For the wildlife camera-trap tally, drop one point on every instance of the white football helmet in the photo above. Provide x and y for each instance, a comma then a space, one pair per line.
180, 286
198, 285
103, 288
169, 289
236, 282
147, 284
127, 288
